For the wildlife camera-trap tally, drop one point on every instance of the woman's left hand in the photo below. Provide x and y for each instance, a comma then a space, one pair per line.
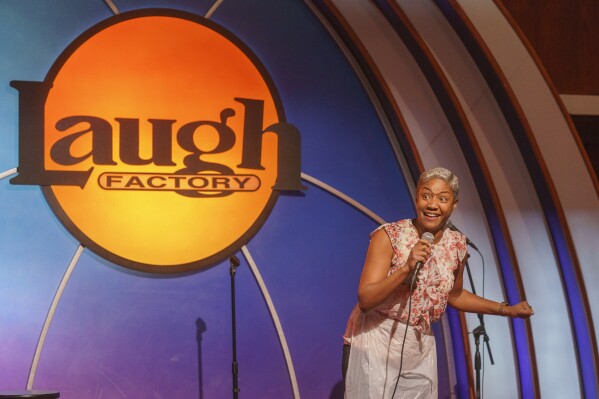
522, 310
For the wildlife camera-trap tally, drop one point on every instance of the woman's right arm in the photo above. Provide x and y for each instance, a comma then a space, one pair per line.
375, 286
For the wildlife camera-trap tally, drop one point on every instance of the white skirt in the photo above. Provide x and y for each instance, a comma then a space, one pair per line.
375, 357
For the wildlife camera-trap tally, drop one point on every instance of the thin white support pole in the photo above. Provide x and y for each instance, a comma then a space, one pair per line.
50, 315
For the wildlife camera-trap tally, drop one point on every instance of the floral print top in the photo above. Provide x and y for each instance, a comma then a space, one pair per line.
435, 278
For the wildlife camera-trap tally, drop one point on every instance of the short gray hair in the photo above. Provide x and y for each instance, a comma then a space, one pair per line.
443, 174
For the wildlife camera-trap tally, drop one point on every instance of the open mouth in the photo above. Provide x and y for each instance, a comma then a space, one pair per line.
431, 216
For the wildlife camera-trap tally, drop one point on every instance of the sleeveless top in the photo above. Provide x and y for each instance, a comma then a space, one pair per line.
435, 278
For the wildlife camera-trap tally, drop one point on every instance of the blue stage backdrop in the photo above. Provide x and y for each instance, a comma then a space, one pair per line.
122, 333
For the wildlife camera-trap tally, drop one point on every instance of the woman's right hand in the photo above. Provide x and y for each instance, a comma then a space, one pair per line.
420, 252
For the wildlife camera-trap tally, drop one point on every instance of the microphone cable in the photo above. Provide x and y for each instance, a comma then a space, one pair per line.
430, 238
405, 334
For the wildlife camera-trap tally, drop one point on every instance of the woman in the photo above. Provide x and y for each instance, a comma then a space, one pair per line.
382, 340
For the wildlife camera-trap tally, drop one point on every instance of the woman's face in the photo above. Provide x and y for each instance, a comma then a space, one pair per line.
434, 204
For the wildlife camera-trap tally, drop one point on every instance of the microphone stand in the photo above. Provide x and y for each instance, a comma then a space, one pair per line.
234, 263
477, 332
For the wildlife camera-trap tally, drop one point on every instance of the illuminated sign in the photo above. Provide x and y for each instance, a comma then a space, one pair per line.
159, 141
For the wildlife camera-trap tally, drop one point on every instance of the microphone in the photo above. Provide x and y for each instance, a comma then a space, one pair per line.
234, 261
428, 237
452, 227
233, 265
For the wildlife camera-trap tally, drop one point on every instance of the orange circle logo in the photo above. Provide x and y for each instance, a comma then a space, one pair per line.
159, 140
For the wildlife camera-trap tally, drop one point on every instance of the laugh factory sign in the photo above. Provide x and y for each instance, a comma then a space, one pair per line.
159, 141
